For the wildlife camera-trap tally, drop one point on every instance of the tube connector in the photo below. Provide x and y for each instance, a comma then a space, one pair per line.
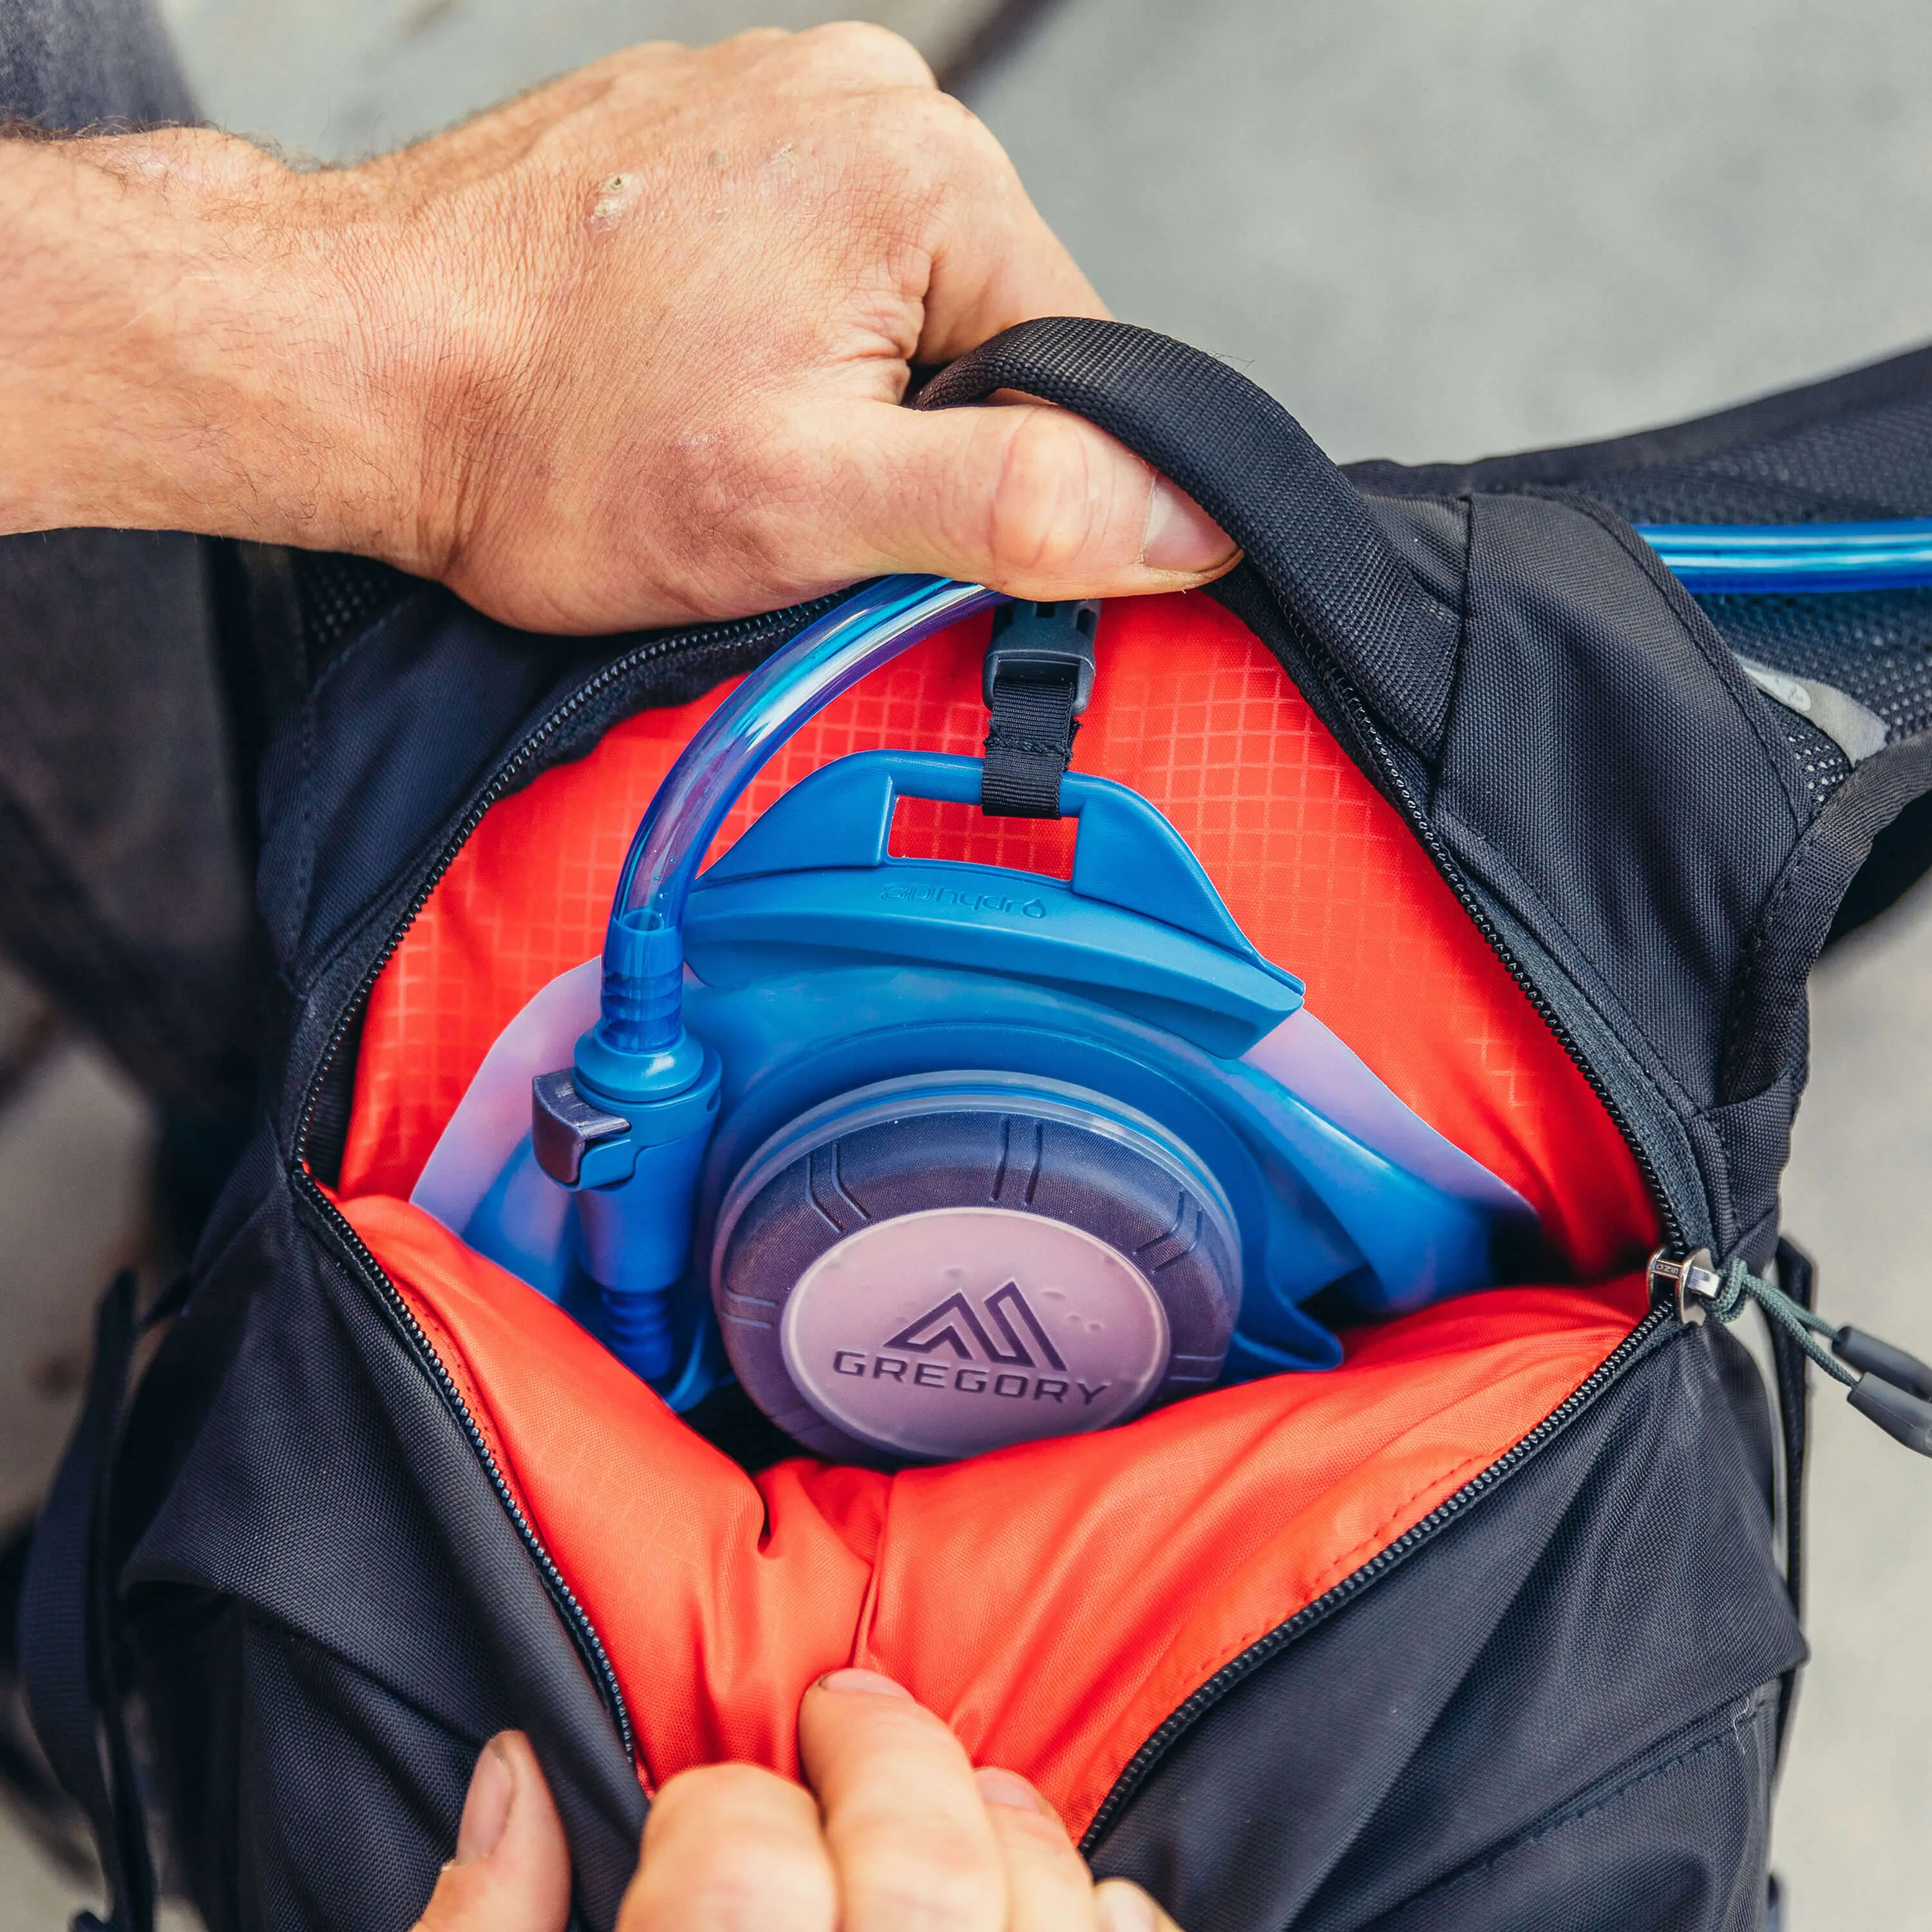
631, 1164
626, 1126
639, 1050
643, 980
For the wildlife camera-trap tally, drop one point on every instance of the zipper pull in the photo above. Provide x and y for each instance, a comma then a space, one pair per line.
1894, 1389
1871, 1357
1690, 1285
1884, 1384
1903, 1418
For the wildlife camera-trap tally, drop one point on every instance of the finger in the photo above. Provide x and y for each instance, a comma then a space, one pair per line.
905, 1823
1048, 1887
1033, 500
975, 293
854, 54
995, 262
511, 1870
1123, 1907
732, 1848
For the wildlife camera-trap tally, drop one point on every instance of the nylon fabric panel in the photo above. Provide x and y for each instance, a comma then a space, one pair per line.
309, 1725
1637, 792
331, 1492
353, 783
1054, 1602
1527, 1722
347, 1495
1315, 864
1676, 1844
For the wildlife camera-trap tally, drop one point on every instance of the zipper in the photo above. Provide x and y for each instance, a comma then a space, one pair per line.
1444, 862
1661, 1318
1619, 1361
715, 637
584, 1634
589, 1646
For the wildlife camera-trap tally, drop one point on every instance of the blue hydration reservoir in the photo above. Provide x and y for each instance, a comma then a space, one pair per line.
934, 1157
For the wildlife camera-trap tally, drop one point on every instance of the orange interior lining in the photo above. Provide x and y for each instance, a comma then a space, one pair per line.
1056, 1601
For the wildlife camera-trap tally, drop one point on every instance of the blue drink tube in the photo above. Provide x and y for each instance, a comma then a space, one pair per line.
1769, 559
627, 1124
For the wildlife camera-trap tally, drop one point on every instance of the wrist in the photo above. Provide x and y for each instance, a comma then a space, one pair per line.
205, 339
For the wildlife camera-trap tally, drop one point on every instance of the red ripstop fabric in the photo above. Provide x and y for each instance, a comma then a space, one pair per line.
1056, 1602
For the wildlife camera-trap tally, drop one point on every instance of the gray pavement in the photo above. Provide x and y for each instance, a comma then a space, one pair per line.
1855, 1811
1439, 228
338, 78
1434, 228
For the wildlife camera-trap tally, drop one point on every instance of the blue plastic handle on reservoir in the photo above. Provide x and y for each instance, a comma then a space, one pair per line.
1767, 559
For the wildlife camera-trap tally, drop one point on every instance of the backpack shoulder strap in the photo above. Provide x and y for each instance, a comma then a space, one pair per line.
67, 1653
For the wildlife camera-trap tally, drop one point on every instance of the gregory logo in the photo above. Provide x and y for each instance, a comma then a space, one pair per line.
998, 1349
952, 1324
915, 1334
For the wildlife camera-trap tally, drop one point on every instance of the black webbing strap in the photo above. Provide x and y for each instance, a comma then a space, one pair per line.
1028, 746
66, 1638
1251, 466
1038, 677
1797, 1277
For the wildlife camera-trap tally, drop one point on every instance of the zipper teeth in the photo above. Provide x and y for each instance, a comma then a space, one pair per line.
1620, 1359
1444, 863
583, 1632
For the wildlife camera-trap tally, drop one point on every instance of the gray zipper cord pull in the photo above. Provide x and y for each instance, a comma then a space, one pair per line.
1874, 1358
1737, 1285
1885, 1384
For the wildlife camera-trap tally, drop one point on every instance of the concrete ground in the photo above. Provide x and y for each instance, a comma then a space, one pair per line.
1433, 228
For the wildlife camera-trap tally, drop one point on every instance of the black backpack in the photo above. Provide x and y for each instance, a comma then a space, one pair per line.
1497, 1626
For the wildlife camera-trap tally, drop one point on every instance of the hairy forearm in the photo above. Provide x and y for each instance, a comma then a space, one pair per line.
194, 336
626, 351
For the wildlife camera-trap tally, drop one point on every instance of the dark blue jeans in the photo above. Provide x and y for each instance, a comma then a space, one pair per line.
123, 889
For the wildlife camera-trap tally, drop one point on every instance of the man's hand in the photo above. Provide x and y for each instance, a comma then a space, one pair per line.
625, 351
902, 1836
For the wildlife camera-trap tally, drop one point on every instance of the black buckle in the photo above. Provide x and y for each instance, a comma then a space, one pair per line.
1037, 679
1042, 644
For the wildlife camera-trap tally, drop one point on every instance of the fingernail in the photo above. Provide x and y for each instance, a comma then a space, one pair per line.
493, 1789
1122, 1907
869, 1682
1180, 535
1008, 1788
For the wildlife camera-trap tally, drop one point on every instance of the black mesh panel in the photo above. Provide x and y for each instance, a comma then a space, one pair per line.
1875, 644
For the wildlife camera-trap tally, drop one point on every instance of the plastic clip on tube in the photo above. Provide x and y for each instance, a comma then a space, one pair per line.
627, 1124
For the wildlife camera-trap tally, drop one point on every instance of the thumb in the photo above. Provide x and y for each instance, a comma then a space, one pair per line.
511, 1870
1121, 1907
1031, 499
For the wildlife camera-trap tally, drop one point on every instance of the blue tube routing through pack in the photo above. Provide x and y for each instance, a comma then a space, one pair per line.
1769, 559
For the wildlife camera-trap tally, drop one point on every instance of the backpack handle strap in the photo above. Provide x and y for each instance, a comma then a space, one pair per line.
1256, 471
